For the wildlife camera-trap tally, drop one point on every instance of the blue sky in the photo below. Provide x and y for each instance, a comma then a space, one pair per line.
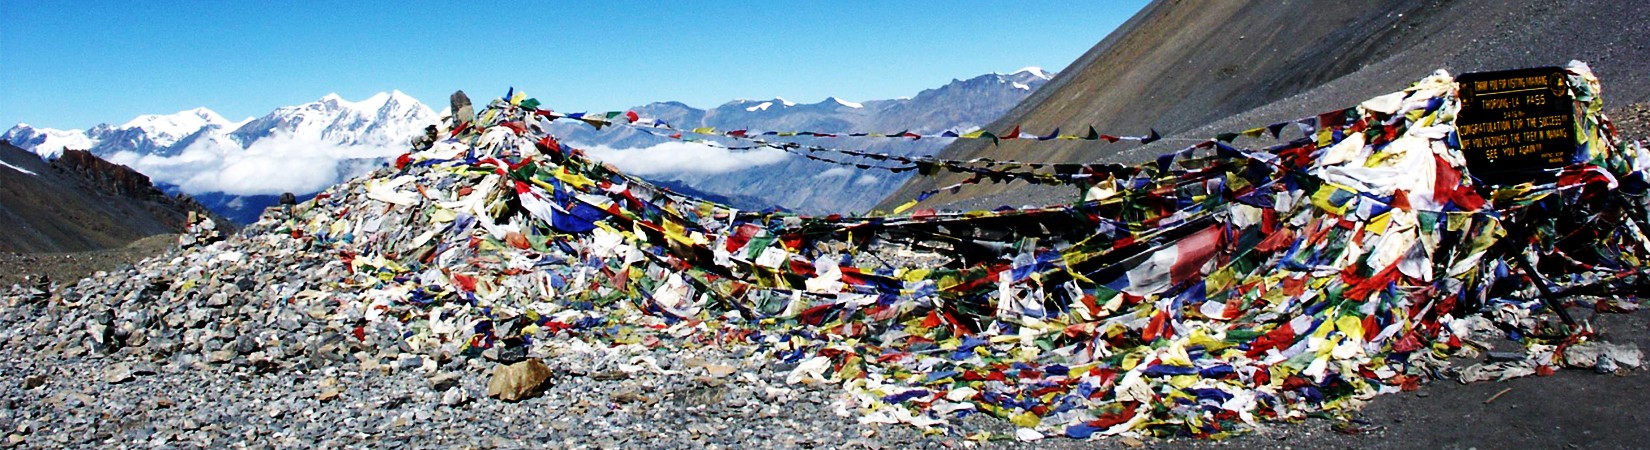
76, 65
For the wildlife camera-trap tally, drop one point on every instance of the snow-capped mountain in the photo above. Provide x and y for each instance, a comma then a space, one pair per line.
150, 134
47, 142
300, 149
382, 119
166, 130
238, 168
793, 182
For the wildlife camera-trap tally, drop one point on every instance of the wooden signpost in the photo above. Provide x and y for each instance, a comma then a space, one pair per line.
1516, 125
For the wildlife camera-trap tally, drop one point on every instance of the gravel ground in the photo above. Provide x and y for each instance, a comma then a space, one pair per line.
23, 268
115, 361
211, 377
59, 396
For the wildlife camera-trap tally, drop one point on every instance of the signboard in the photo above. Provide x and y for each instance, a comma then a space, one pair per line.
1514, 124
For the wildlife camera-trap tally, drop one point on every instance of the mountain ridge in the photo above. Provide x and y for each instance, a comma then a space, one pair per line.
80, 202
328, 119
343, 138
797, 183
240, 168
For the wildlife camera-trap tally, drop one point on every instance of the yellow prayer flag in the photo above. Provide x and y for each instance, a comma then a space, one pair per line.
1351, 326
906, 206
1379, 223
1219, 281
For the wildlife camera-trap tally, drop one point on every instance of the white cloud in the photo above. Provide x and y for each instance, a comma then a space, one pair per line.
835, 172
284, 163
684, 158
272, 165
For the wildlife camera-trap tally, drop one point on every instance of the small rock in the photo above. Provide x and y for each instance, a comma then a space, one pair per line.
408, 364
518, 381
512, 352
610, 375
444, 381
719, 370
263, 362
708, 381
327, 395
455, 396
16, 439
34, 381
394, 402
288, 323
117, 373
246, 344
1605, 364
706, 395
630, 396
220, 356
137, 339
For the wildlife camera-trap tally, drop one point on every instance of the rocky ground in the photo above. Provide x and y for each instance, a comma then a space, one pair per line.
1632, 121
139, 369
122, 361
24, 268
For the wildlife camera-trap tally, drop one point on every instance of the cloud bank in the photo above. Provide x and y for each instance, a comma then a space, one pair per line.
272, 165
835, 172
672, 158
285, 163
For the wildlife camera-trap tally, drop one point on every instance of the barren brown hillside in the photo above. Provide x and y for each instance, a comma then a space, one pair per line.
79, 203
1179, 66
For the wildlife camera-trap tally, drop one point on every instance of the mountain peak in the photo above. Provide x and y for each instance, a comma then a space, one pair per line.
210, 116
47, 142
763, 105
855, 105
374, 102
178, 124
1034, 71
